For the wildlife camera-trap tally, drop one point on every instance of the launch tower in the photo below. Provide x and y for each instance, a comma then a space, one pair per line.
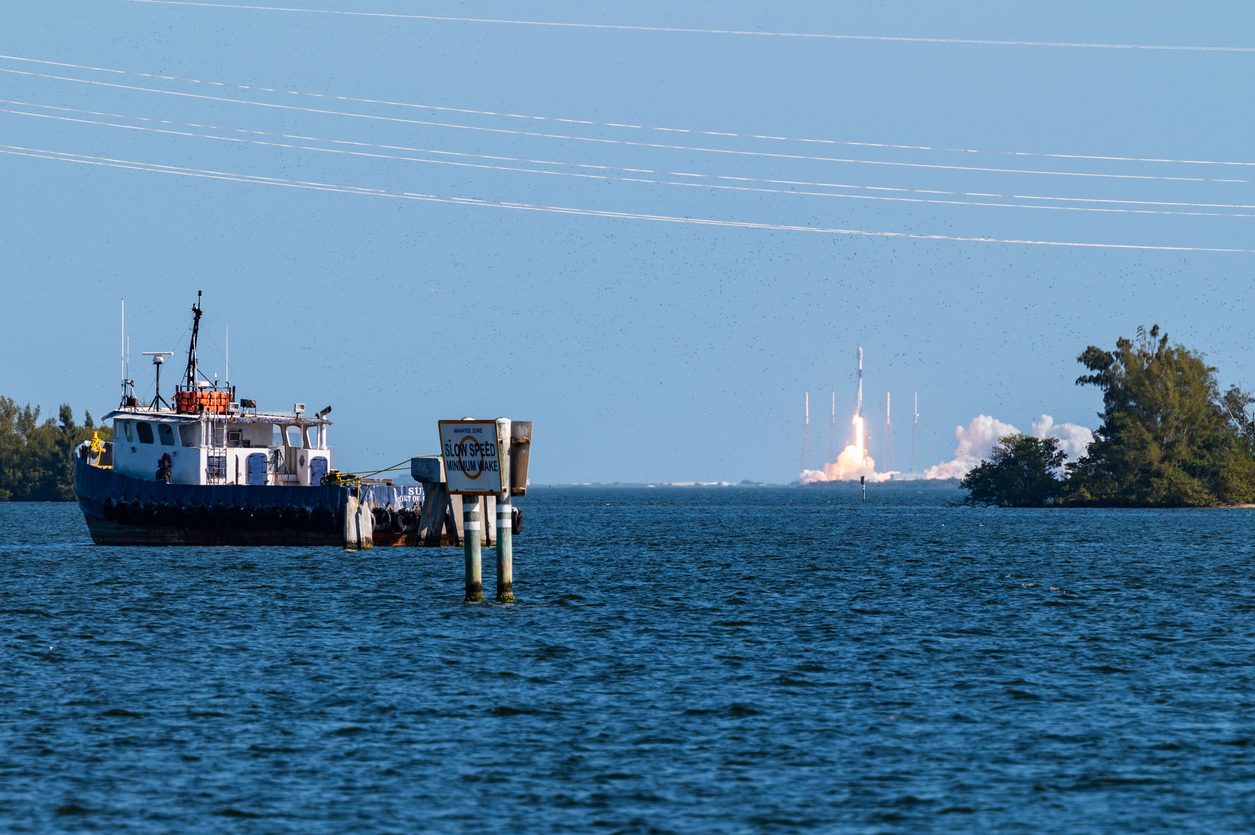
888, 465
834, 446
915, 438
860, 441
806, 435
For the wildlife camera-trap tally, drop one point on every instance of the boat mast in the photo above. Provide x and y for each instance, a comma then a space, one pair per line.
191, 348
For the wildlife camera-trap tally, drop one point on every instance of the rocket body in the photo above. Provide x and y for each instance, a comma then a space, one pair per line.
859, 409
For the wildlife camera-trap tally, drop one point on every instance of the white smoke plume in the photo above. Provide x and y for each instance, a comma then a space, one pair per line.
846, 467
976, 442
1074, 440
853, 462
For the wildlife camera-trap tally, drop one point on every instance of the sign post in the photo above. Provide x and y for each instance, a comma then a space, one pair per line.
472, 459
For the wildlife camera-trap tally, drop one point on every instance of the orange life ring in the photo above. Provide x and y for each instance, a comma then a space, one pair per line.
165, 462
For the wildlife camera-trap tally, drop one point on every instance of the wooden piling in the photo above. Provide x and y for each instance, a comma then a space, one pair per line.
350, 524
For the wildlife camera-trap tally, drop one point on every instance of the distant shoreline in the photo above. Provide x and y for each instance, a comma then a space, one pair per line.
927, 484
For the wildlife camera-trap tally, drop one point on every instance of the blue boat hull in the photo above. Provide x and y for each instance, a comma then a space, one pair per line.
121, 510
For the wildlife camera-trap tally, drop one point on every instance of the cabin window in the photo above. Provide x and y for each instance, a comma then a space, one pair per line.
126, 429
233, 438
145, 431
166, 433
187, 434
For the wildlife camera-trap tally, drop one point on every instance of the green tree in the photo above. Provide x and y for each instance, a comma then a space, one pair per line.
36, 460
1167, 439
1021, 472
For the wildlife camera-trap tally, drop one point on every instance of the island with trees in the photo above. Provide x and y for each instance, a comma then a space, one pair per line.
36, 463
1168, 438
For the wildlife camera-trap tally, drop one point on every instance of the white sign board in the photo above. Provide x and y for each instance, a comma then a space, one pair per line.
471, 462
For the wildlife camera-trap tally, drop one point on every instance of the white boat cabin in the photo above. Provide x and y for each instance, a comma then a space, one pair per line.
249, 447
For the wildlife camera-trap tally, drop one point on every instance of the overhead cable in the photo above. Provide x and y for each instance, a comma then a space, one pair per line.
593, 166
678, 30
690, 131
58, 156
640, 180
625, 142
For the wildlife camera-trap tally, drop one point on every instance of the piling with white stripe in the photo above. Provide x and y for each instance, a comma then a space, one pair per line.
471, 528
505, 519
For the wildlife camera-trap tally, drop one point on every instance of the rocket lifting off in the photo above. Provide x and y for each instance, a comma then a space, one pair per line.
852, 461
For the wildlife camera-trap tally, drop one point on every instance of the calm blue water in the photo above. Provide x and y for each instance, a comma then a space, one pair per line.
678, 661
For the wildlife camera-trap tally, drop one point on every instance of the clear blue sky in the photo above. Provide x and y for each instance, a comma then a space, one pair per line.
642, 350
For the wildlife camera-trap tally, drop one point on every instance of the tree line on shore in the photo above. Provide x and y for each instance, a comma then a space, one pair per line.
36, 463
1168, 438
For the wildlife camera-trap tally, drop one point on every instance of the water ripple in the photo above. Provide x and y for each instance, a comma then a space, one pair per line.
720, 660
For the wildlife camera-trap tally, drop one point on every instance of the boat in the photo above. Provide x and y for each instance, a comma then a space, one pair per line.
211, 469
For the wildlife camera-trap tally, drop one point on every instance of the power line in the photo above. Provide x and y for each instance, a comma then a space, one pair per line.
501, 158
625, 142
639, 180
624, 125
156, 168
677, 30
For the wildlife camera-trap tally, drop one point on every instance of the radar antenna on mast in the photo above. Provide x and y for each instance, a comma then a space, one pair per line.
191, 347
197, 393
159, 358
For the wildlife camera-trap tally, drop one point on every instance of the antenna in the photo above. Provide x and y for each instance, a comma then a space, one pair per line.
227, 358
806, 435
128, 385
123, 349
